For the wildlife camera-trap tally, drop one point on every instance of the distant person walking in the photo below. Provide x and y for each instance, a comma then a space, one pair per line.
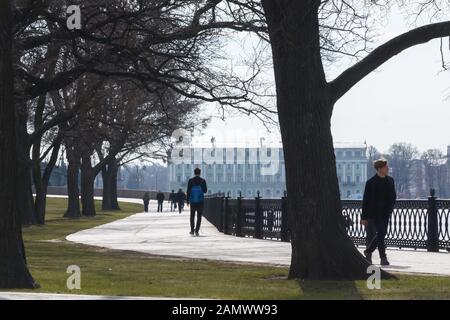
378, 204
181, 198
160, 198
195, 196
146, 199
173, 201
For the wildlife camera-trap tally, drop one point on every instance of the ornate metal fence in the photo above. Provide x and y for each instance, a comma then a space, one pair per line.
413, 224
407, 227
443, 213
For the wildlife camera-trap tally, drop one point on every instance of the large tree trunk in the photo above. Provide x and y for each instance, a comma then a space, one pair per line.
321, 248
13, 269
87, 187
109, 175
25, 195
73, 192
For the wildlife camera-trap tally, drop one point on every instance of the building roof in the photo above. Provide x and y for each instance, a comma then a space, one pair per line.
350, 145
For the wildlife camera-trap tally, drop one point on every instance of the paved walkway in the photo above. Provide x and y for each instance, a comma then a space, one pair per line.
167, 234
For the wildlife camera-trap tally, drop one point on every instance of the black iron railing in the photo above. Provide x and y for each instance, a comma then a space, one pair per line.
413, 224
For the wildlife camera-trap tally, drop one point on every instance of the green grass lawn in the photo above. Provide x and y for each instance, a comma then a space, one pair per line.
111, 272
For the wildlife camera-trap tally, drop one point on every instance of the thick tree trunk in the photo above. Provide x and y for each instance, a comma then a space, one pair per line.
40, 188
109, 175
87, 188
13, 269
25, 194
73, 192
321, 248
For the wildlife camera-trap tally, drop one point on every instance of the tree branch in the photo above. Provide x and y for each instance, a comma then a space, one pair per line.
383, 53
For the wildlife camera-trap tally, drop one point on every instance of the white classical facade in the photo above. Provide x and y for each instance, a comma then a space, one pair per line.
247, 171
351, 168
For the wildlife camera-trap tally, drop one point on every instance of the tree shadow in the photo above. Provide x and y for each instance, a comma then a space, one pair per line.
330, 290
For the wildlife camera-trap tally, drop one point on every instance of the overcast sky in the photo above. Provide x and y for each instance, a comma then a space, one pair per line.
403, 101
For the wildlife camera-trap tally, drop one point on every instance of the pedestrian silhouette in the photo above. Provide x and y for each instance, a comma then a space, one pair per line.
181, 198
195, 198
160, 197
146, 199
173, 201
378, 204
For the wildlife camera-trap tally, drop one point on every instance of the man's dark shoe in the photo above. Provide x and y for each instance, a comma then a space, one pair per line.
196, 234
191, 233
368, 256
384, 261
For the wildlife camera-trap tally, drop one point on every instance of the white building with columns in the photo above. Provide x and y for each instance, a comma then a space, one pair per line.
249, 170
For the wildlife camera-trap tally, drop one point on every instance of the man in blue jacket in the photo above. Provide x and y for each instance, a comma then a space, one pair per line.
195, 197
378, 204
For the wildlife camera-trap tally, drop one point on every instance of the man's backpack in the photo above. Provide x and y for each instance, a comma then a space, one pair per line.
196, 194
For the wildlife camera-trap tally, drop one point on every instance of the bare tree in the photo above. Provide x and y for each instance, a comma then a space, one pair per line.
434, 161
400, 156
13, 269
321, 248
159, 44
184, 33
372, 155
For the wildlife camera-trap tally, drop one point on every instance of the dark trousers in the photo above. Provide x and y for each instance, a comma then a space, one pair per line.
196, 207
376, 232
173, 206
180, 206
160, 206
146, 206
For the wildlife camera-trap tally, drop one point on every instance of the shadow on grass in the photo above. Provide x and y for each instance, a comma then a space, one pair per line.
335, 290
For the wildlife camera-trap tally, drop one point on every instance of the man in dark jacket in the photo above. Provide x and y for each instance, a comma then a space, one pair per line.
173, 201
160, 197
146, 199
378, 203
181, 198
195, 195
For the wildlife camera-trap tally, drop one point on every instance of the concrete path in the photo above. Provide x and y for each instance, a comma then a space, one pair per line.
167, 234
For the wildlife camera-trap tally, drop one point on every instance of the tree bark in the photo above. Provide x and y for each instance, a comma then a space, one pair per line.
14, 272
41, 193
41, 180
73, 192
87, 187
25, 194
321, 248
109, 175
